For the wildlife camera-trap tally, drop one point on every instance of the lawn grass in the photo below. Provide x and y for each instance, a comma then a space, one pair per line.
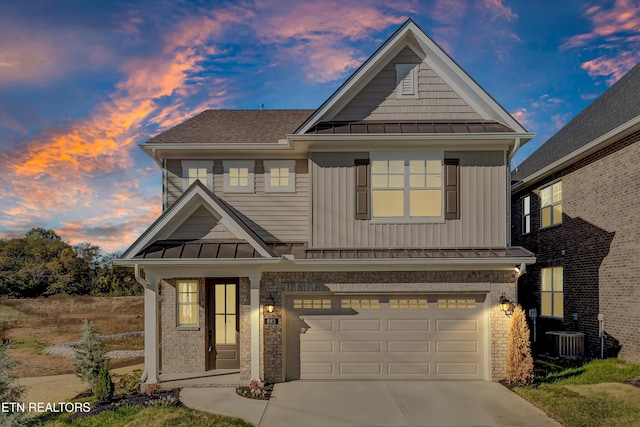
589, 396
142, 417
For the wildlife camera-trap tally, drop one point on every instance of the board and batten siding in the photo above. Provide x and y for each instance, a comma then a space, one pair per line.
482, 220
275, 217
378, 99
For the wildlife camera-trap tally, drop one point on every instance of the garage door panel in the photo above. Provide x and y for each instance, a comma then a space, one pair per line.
354, 368
408, 368
408, 346
432, 340
360, 346
408, 325
360, 325
457, 325
457, 346
316, 346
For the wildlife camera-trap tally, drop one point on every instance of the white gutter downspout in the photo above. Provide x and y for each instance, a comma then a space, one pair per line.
515, 149
144, 283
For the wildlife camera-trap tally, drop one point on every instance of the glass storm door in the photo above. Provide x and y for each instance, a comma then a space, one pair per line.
222, 331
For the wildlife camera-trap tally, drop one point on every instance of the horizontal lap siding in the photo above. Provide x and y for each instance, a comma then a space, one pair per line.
482, 199
378, 100
273, 216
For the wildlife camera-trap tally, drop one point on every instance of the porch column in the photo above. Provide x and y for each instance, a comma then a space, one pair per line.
151, 331
254, 279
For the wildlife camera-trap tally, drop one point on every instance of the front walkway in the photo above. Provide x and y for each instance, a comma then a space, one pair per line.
375, 403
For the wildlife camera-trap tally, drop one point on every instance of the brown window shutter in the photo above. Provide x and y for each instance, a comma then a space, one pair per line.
362, 189
452, 188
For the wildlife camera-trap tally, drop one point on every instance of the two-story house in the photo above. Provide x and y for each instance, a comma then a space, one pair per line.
366, 239
576, 204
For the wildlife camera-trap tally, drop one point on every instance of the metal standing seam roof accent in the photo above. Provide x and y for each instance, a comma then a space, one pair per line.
368, 127
213, 249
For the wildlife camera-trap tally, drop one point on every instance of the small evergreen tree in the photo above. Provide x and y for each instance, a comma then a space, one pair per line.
90, 355
519, 360
9, 392
104, 385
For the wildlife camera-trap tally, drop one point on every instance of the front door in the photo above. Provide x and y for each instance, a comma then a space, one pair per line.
222, 324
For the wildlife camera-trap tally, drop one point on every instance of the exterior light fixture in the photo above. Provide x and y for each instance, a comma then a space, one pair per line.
271, 304
506, 305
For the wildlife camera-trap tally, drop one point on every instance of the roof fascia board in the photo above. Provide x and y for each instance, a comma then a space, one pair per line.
504, 136
186, 203
597, 144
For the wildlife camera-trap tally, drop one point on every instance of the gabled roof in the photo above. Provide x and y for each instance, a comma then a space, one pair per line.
195, 196
617, 110
411, 35
235, 126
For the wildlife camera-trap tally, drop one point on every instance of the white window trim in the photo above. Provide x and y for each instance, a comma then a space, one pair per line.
187, 164
227, 164
526, 215
268, 164
407, 156
404, 72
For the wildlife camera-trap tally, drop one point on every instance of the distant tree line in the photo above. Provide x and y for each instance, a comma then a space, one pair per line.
41, 264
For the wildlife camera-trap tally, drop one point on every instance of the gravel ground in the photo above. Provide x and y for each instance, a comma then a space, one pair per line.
67, 349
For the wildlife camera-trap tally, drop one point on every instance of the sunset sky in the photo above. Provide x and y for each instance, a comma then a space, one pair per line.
82, 83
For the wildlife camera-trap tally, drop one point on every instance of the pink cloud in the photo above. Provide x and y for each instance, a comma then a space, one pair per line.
615, 30
322, 45
498, 10
523, 116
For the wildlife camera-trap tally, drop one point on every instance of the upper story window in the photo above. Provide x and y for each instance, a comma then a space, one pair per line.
526, 214
279, 176
187, 302
238, 176
551, 205
552, 297
407, 80
197, 171
407, 187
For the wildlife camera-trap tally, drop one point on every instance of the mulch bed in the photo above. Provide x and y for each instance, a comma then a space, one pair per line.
263, 393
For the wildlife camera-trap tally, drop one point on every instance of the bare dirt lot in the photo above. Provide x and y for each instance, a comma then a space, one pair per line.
32, 324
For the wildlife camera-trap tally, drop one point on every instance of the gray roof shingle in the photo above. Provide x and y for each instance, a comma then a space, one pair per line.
235, 126
619, 104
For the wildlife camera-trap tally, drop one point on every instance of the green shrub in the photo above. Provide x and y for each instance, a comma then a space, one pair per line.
103, 391
90, 355
9, 392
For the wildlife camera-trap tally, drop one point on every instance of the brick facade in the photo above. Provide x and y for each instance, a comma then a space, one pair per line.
597, 244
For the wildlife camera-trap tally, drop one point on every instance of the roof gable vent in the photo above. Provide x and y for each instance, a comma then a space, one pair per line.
407, 80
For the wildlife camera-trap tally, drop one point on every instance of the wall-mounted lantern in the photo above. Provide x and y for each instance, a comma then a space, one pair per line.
506, 305
271, 304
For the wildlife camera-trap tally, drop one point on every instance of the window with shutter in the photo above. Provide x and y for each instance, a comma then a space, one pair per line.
362, 189
452, 188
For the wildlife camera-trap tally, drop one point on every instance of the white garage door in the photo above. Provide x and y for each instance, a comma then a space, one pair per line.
385, 337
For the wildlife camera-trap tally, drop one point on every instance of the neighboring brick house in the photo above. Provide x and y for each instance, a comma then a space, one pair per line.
576, 205
365, 239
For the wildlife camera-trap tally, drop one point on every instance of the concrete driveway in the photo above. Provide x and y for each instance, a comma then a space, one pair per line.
398, 403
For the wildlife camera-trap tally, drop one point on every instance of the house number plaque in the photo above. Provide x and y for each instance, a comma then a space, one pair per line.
272, 321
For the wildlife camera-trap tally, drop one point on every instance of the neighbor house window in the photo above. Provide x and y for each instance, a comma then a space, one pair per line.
526, 215
551, 205
238, 176
406, 188
193, 171
279, 176
552, 292
187, 303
